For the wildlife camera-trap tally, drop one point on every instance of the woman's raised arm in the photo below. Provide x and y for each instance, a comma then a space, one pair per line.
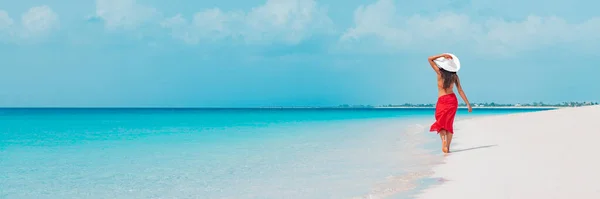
433, 65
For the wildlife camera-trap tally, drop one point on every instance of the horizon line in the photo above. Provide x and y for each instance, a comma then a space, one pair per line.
283, 107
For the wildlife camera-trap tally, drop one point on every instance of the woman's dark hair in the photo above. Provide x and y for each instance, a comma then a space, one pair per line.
448, 77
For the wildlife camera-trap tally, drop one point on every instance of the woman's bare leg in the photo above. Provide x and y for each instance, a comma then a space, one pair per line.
449, 140
443, 134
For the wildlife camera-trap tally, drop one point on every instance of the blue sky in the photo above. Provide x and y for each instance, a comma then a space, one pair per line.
292, 52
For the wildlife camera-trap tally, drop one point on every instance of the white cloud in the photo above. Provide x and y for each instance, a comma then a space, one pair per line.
211, 24
5, 21
124, 14
36, 23
380, 21
6, 24
287, 21
39, 21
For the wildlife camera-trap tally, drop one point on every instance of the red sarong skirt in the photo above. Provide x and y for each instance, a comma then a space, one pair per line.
445, 110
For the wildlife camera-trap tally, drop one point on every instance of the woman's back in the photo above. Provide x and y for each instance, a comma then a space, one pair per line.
445, 82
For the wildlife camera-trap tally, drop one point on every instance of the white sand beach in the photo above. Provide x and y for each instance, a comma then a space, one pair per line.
547, 154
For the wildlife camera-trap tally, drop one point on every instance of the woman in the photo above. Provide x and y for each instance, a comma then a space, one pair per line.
447, 104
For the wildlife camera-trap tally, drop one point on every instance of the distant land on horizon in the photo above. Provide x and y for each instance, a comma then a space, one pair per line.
476, 105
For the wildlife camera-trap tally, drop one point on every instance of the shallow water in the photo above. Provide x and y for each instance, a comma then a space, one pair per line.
223, 153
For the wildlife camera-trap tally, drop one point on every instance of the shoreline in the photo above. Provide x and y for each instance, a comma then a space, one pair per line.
505, 156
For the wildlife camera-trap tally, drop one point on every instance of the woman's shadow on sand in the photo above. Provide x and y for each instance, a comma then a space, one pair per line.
473, 148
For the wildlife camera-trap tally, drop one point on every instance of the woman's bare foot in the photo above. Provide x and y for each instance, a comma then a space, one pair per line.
444, 147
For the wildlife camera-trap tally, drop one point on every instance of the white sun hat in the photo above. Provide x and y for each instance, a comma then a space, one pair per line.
452, 65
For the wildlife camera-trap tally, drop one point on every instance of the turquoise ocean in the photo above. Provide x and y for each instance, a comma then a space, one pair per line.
219, 153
